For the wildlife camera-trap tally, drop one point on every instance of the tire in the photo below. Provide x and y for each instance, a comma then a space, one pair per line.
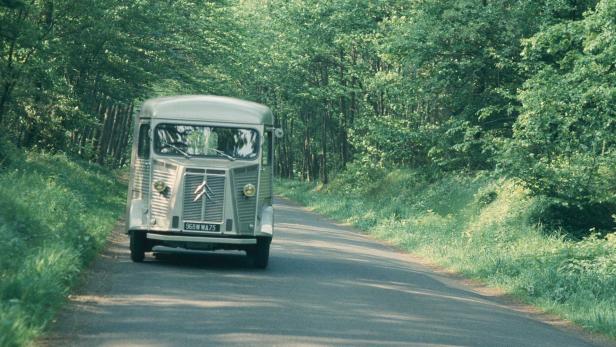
137, 246
260, 252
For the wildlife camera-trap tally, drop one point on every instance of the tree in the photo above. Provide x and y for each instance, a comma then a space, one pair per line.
564, 143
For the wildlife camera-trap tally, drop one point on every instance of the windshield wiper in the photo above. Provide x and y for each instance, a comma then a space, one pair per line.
222, 153
186, 155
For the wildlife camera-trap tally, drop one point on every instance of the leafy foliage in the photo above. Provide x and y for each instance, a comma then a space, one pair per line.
524, 87
71, 72
564, 143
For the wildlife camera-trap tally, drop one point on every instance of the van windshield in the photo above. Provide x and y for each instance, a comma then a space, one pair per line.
206, 141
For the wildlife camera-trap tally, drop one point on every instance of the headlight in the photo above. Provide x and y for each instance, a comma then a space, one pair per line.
160, 186
250, 190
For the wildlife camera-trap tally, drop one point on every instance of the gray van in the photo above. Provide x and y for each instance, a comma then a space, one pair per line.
201, 177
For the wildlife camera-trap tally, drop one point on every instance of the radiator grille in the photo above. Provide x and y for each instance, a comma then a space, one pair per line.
209, 207
192, 209
245, 207
214, 203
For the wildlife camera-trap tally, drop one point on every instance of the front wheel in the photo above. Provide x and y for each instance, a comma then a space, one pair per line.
259, 253
137, 246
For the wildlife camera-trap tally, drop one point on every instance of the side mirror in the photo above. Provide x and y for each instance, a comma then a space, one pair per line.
278, 133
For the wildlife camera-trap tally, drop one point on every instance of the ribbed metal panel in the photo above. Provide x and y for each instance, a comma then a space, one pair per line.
215, 202
192, 210
245, 207
265, 187
160, 202
141, 185
209, 207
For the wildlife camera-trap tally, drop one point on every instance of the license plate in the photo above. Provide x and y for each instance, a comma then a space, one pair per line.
201, 227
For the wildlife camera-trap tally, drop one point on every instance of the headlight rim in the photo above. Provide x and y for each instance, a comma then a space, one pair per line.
160, 186
249, 190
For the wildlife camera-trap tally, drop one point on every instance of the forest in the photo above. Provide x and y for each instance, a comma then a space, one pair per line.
480, 133
522, 88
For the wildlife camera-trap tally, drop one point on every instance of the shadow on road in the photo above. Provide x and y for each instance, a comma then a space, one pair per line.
206, 260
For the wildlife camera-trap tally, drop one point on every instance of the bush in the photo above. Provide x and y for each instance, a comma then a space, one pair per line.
8, 153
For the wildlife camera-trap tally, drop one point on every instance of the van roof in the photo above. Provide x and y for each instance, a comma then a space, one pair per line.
207, 108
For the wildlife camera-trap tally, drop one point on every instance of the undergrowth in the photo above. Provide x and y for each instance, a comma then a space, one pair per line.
481, 227
55, 215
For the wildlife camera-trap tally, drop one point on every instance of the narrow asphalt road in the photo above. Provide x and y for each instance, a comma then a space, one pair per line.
326, 285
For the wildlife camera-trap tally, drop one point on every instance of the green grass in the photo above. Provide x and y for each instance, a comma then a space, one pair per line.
480, 227
55, 215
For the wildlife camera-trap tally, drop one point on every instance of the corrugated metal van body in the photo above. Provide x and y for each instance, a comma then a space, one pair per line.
245, 208
198, 195
141, 180
265, 187
160, 204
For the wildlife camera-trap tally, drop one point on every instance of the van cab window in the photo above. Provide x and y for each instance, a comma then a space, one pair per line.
143, 147
206, 141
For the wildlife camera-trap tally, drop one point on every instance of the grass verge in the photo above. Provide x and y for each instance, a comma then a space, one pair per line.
480, 227
55, 215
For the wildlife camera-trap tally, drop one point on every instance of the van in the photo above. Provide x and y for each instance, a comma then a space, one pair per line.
201, 177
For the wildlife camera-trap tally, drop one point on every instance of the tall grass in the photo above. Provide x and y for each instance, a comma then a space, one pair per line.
480, 227
55, 215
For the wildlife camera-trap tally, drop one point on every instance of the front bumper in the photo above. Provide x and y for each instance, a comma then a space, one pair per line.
203, 239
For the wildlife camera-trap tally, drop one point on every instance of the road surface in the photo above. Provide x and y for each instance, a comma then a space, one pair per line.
326, 285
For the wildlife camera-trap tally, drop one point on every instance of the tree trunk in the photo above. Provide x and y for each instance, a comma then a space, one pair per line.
323, 165
106, 129
122, 138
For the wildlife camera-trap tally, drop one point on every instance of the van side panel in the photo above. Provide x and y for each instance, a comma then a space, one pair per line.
265, 187
139, 185
246, 208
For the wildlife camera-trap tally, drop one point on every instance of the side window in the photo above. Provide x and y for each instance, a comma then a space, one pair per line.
267, 148
143, 147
